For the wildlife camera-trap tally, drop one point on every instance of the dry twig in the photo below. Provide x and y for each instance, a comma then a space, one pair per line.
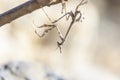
24, 9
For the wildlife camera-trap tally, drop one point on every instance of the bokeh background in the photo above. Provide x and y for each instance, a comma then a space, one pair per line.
91, 51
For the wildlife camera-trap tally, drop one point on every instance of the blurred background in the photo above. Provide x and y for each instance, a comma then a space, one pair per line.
90, 52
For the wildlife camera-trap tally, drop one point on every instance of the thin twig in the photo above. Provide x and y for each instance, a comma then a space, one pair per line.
23, 9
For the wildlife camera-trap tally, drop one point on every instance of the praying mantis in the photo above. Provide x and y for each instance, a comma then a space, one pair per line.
75, 16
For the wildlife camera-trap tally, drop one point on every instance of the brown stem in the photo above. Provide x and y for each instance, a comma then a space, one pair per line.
23, 9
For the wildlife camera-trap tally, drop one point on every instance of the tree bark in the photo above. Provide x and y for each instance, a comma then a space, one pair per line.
24, 9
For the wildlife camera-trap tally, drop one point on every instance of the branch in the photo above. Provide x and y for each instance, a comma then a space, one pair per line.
24, 9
